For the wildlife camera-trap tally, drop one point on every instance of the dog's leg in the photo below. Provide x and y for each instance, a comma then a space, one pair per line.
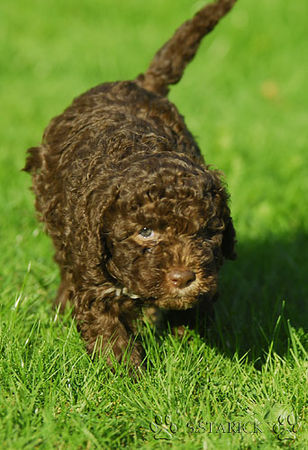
106, 334
64, 293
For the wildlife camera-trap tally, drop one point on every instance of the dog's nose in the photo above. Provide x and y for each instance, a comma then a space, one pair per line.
180, 277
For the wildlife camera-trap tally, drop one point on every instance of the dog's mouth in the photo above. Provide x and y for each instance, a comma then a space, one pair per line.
185, 298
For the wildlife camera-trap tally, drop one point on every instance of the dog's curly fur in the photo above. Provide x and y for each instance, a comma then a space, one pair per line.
136, 216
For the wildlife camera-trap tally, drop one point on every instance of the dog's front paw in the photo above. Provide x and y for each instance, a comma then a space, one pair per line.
118, 349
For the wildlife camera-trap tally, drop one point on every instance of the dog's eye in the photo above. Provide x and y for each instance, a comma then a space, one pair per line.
146, 233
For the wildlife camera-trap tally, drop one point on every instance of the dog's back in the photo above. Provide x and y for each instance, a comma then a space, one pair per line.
166, 68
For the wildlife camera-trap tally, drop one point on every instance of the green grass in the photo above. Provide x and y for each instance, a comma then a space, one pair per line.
245, 99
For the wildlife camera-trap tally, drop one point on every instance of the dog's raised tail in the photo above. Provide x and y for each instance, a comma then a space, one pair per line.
169, 63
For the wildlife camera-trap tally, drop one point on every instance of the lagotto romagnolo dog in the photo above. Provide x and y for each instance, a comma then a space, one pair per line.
137, 218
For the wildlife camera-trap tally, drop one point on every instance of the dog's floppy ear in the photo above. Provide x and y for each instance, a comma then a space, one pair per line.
89, 212
228, 240
221, 199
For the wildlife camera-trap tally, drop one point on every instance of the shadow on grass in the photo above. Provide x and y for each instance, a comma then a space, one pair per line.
268, 280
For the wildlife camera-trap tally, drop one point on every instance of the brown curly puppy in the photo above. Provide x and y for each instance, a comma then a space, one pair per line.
136, 217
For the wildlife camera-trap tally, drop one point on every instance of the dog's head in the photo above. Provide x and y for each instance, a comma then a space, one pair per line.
166, 230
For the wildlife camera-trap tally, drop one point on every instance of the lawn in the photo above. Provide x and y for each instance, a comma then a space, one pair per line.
245, 98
